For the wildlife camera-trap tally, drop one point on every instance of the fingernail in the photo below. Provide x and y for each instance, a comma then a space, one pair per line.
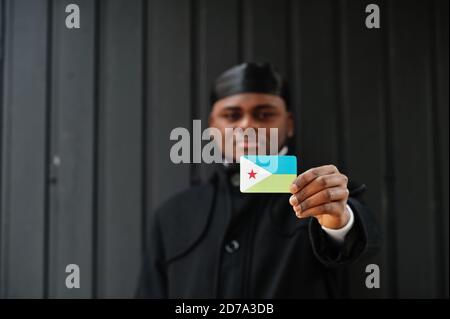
293, 200
297, 209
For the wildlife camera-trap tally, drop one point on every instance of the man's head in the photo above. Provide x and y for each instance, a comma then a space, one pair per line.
251, 95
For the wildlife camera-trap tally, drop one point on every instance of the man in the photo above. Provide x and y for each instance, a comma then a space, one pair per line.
212, 241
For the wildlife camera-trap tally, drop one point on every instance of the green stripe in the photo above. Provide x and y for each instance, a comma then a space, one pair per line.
276, 183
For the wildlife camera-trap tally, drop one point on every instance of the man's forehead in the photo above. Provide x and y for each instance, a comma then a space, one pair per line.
249, 100
230, 107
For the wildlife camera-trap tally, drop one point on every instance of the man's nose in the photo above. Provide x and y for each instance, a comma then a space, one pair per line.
247, 121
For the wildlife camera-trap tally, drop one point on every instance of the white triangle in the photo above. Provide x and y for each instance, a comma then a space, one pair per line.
246, 166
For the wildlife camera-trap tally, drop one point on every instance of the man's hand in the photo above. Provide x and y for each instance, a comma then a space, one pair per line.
321, 192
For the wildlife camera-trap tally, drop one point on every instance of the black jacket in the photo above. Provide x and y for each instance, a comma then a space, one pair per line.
213, 242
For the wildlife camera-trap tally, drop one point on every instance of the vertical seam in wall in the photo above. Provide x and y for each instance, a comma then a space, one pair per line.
48, 150
151, 132
389, 169
4, 161
240, 28
340, 45
341, 127
193, 19
294, 71
246, 34
2, 107
436, 155
288, 48
300, 138
144, 35
95, 151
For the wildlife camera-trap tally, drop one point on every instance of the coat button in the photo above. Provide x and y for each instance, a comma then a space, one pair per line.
232, 246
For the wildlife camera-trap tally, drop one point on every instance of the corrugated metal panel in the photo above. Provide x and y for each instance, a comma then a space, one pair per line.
86, 116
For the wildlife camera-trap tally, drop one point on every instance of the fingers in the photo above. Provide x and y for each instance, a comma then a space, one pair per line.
320, 192
325, 196
332, 208
322, 197
321, 183
310, 175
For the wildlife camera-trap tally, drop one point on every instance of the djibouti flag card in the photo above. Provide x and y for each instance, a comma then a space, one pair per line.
267, 173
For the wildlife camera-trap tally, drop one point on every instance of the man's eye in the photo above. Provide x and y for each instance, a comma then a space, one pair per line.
264, 115
232, 116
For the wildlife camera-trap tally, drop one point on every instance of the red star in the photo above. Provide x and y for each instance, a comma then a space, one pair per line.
252, 174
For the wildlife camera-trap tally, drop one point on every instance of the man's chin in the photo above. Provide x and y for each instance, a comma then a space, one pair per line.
247, 150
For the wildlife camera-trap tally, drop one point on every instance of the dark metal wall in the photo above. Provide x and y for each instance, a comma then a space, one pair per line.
86, 115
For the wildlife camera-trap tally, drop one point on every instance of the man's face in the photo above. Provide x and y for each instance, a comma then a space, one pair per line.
252, 110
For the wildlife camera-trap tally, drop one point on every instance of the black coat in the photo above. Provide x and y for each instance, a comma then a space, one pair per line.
213, 242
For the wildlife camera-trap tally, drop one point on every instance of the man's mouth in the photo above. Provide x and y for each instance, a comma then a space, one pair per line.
247, 145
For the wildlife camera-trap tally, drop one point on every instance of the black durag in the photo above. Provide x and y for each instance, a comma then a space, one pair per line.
250, 77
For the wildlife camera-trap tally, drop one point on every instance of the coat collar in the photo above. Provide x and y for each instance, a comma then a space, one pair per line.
194, 209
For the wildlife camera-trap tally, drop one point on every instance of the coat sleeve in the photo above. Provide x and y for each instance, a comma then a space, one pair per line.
363, 240
152, 281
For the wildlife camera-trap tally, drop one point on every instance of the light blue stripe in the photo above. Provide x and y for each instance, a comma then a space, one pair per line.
286, 164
